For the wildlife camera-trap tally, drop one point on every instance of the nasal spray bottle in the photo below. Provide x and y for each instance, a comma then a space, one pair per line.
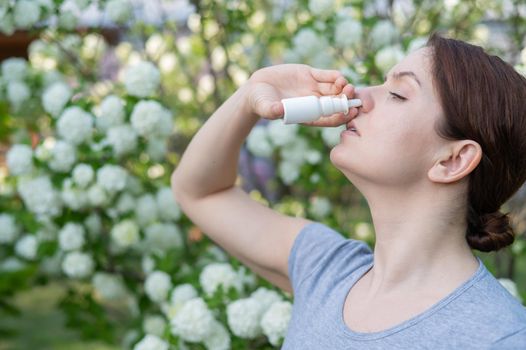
310, 108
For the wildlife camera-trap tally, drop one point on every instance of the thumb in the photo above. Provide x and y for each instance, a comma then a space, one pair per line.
270, 109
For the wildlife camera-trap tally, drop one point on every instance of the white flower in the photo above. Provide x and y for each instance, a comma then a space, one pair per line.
97, 195
243, 317
511, 287
387, 57
157, 286
258, 142
280, 134
119, 11
39, 196
151, 342
182, 293
63, 156
55, 97
20, 159
160, 237
331, 136
218, 339
320, 207
83, 174
125, 203
295, 150
216, 274
14, 69
9, 230
112, 178
166, 204
313, 156
363, 230
125, 233
308, 43
265, 297
383, 33
94, 224
12, 264
154, 324
276, 320
78, 265
71, 237
147, 264
194, 322
7, 25
75, 125
322, 8
17, 93
142, 79
26, 247
26, 13
288, 171
150, 119
416, 43
109, 286
348, 32
74, 198
156, 149
146, 210
111, 112
123, 139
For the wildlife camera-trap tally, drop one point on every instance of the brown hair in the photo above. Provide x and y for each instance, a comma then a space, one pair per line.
484, 100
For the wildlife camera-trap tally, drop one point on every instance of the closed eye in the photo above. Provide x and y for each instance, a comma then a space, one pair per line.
397, 97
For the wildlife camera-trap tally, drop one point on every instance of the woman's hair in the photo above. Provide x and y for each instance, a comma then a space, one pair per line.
484, 100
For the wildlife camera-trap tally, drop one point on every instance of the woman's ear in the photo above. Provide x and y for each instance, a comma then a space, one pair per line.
457, 161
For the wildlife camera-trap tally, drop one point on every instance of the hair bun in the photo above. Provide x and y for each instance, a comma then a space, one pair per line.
489, 232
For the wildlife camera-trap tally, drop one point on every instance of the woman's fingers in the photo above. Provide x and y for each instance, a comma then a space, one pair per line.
333, 120
325, 75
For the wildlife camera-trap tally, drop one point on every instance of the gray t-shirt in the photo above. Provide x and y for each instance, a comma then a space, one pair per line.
323, 266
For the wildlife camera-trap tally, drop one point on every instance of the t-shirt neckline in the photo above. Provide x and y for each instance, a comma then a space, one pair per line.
407, 323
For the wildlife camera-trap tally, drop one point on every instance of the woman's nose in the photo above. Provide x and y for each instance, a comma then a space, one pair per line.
364, 94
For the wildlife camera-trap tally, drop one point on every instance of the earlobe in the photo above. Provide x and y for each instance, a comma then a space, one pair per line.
458, 162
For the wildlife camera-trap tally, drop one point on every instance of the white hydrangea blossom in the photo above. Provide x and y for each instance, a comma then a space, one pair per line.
150, 119
9, 230
20, 159
511, 287
265, 297
119, 11
156, 149
109, 286
146, 210
93, 224
160, 237
243, 317
12, 264
142, 79
112, 178
63, 156
258, 142
122, 139
383, 33
320, 207
348, 32
313, 156
154, 324
73, 198
308, 43
110, 112
194, 322
17, 93
75, 125
26, 247
71, 237
78, 265
295, 150
83, 174
331, 136
288, 172
387, 57
416, 43
147, 264
182, 293
126, 203
322, 8
97, 196
218, 339
39, 196
276, 320
125, 233
26, 13
151, 342
280, 134
167, 205
14, 69
216, 274
55, 98
157, 286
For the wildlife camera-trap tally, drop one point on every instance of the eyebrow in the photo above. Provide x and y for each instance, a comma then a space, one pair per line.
410, 74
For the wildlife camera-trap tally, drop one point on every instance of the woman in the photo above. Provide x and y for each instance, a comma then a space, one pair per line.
440, 147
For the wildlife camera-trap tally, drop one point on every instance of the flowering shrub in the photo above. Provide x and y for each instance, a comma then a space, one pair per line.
96, 130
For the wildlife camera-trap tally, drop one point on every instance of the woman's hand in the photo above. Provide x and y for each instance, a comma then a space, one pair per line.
271, 84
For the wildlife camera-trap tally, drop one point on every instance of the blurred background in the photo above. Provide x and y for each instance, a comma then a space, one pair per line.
99, 99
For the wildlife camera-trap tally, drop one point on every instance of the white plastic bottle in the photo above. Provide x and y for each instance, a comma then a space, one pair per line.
309, 108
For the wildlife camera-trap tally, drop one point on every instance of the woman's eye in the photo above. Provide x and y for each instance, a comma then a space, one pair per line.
397, 97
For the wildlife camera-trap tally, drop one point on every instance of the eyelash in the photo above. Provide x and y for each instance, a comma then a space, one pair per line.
397, 97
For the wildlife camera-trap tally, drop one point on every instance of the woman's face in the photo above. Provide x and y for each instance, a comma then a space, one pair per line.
397, 142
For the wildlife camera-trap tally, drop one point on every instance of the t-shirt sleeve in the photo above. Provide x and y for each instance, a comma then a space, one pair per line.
513, 341
318, 247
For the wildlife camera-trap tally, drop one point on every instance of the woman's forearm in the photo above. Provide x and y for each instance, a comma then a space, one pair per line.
209, 163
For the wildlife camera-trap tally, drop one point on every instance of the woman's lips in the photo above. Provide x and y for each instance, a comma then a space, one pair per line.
351, 125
